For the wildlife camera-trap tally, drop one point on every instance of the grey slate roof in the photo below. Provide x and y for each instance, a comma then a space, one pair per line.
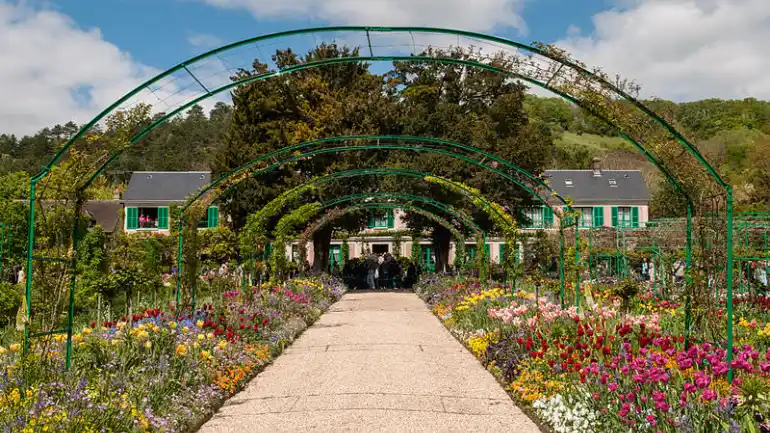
106, 213
588, 189
165, 186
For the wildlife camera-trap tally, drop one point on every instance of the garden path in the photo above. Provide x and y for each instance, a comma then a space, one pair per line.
373, 362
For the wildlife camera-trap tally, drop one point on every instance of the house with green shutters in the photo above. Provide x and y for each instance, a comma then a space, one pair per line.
604, 198
149, 195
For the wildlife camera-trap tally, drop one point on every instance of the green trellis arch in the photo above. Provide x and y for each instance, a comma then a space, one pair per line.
538, 65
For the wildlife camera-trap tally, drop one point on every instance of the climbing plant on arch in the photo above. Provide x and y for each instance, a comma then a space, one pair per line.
207, 75
334, 213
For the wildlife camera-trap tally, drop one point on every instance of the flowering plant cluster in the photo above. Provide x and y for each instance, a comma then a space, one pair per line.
603, 368
157, 372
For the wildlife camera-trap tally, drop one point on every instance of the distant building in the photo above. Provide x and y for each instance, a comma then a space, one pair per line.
149, 194
605, 198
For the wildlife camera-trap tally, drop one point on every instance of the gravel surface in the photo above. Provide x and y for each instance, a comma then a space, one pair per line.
375, 362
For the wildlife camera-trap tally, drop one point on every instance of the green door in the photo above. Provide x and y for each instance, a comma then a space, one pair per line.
428, 260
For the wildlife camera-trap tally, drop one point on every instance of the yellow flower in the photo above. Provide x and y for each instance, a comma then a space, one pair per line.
148, 344
210, 335
181, 350
115, 341
199, 323
87, 331
201, 337
222, 344
3, 350
15, 347
205, 354
185, 329
60, 338
172, 325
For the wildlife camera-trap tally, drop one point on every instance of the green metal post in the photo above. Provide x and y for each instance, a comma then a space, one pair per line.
729, 281
688, 278
561, 265
577, 262
179, 263
30, 247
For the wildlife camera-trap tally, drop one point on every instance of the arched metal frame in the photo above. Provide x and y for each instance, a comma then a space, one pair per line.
547, 55
410, 207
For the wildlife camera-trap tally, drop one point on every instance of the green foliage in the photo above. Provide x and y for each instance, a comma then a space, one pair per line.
416, 249
10, 300
284, 231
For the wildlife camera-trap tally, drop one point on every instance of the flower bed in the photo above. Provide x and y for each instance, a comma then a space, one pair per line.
605, 369
159, 373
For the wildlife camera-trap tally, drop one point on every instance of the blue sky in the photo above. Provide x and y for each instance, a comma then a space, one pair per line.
157, 32
64, 60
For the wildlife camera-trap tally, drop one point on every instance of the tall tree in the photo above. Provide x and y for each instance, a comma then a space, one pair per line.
342, 99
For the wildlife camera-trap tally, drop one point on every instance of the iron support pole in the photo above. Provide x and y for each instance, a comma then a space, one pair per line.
561, 264
179, 263
729, 282
688, 278
73, 281
30, 247
577, 262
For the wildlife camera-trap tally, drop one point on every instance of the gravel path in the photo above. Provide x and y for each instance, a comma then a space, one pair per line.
373, 362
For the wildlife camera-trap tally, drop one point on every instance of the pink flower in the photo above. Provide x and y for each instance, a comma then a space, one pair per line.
689, 388
702, 380
709, 395
613, 387
719, 368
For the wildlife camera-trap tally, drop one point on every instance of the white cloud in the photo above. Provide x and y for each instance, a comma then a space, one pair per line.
683, 49
53, 72
477, 15
205, 40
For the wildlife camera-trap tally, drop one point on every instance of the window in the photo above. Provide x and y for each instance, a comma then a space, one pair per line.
586, 216
613, 182
625, 217
335, 255
382, 220
211, 219
535, 216
146, 218
568, 182
541, 217
294, 253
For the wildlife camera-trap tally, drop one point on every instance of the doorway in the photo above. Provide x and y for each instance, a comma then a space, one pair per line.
380, 248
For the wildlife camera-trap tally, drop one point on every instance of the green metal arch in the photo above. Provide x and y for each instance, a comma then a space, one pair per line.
411, 207
484, 37
390, 171
405, 198
389, 205
426, 140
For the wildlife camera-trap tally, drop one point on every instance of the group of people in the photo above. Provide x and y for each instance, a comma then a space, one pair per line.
379, 272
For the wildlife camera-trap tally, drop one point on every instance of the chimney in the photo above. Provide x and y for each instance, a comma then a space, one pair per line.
596, 167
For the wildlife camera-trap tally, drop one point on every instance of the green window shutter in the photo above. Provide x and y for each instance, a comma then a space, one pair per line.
598, 212
502, 254
391, 219
162, 218
371, 220
487, 255
547, 217
614, 216
132, 218
635, 216
213, 217
567, 219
